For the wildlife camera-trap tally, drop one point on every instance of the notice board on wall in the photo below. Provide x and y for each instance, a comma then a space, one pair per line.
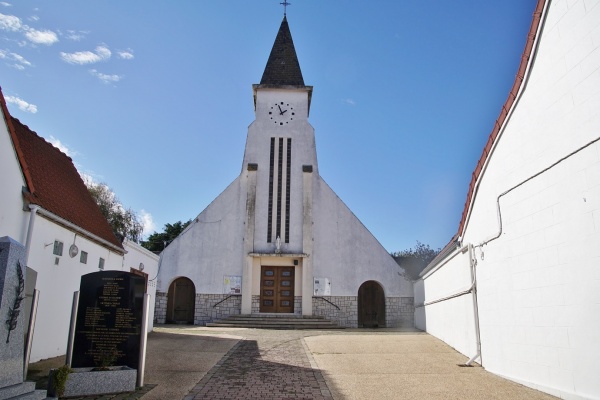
232, 284
322, 287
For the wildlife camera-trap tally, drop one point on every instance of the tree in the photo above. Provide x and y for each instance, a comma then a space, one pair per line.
415, 260
124, 222
158, 241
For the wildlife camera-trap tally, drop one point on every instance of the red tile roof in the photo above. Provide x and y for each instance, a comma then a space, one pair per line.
519, 79
53, 181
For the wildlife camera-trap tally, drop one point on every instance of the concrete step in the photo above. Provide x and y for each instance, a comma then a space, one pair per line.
272, 326
275, 321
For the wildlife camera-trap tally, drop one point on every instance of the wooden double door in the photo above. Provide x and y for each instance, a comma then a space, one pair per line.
277, 289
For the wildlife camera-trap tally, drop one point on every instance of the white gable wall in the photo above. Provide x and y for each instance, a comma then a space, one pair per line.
538, 282
13, 220
211, 246
347, 253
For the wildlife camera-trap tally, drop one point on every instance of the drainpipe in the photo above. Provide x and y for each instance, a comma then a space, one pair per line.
473, 264
33, 209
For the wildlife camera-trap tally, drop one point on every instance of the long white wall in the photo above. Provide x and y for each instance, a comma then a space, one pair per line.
58, 282
538, 282
452, 320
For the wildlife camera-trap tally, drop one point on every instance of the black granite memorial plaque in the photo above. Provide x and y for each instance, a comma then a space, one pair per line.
109, 320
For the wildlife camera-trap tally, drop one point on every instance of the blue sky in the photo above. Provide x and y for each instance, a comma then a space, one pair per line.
154, 98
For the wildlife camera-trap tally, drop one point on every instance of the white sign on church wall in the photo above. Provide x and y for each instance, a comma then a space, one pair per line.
322, 287
232, 284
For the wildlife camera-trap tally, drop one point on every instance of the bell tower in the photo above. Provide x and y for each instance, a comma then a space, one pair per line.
280, 142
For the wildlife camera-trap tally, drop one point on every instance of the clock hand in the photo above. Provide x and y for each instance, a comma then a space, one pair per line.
282, 112
279, 109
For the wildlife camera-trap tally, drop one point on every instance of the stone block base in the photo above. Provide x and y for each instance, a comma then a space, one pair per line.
85, 382
25, 390
399, 311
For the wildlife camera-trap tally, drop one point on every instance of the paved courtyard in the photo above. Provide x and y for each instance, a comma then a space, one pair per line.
185, 362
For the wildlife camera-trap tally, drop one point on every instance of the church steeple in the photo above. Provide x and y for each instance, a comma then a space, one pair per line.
282, 67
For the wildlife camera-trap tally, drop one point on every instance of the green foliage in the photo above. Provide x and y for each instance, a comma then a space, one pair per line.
59, 379
415, 260
158, 241
107, 359
124, 222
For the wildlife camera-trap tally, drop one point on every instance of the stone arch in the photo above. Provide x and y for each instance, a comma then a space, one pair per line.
181, 300
371, 305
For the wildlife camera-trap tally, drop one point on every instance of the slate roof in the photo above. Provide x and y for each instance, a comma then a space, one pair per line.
283, 68
53, 182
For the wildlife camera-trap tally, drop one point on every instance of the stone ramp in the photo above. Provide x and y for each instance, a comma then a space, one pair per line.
275, 321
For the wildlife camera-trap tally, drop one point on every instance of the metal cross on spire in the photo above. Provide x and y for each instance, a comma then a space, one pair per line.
285, 4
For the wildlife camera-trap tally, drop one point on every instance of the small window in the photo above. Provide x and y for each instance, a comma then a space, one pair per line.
83, 257
58, 248
101, 264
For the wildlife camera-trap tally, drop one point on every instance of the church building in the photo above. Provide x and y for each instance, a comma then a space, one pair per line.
278, 240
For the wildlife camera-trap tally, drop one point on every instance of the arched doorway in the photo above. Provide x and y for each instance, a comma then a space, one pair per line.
371, 305
180, 302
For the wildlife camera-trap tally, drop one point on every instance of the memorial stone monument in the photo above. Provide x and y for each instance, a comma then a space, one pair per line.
109, 320
12, 323
108, 333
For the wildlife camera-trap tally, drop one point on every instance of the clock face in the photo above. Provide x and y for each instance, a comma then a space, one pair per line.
281, 113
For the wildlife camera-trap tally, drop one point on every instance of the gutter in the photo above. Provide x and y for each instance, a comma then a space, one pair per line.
34, 210
72, 226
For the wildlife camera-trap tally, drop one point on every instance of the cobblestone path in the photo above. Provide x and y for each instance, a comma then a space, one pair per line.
264, 369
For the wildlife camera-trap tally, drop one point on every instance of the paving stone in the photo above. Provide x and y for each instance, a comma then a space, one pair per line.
264, 370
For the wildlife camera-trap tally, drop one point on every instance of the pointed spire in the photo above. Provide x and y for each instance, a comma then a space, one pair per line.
283, 67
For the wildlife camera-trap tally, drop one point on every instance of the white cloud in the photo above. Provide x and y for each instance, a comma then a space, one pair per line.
22, 104
105, 77
10, 23
101, 53
19, 58
5, 4
62, 147
75, 35
349, 101
148, 222
34, 18
41, 37
126, 54
14, 24
20, 63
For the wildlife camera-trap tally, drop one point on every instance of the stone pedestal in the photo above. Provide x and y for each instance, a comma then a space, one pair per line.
12, 323
87, 382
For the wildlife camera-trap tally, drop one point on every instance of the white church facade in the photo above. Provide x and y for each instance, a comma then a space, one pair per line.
518, 288
278, 240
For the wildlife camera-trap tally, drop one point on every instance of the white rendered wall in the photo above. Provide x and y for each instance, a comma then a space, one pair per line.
13, 220
539, 282
211, 246
135, 255
451, 320
346, 252
57, 283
